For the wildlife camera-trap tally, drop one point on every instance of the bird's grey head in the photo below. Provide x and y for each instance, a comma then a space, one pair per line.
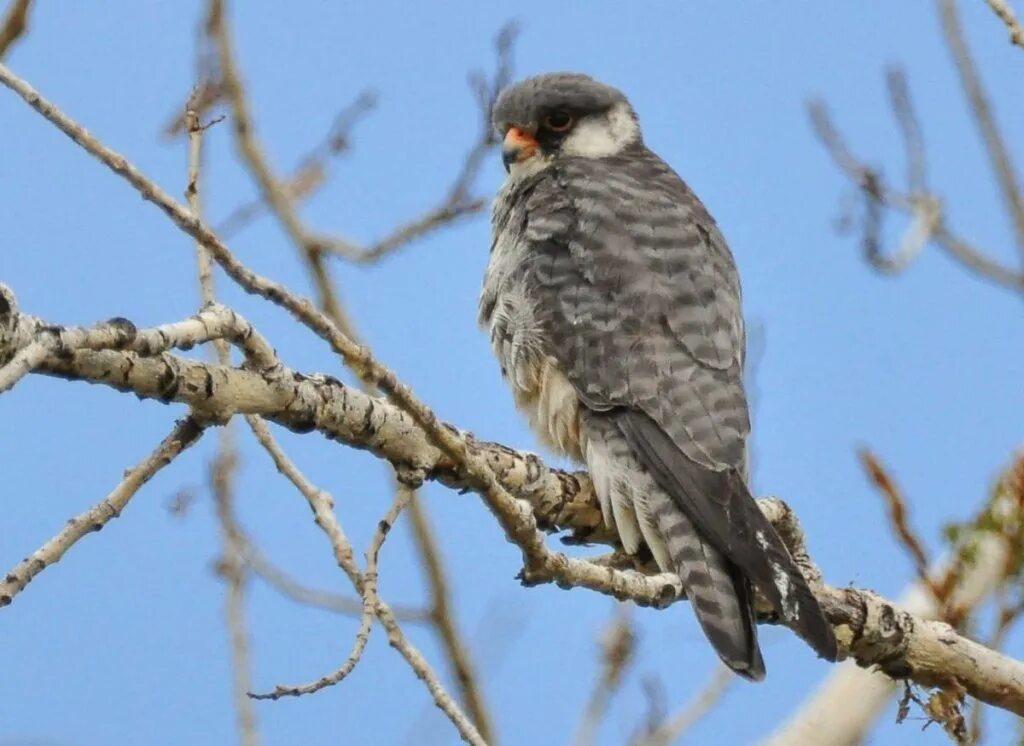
561, 114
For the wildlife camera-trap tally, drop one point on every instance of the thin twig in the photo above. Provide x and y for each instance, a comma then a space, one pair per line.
910, 128
936, 648
442, 617
185, 433
231, 567
928, 218
252, 155
282, 197
674, 727
14, 24
195, 129
311, 172
301, 593
618, 645
898, 518
322, 505
458, 202
998, 153
1006, 15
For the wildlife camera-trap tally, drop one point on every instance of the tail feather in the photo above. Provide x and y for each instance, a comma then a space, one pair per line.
724, 514
720, 596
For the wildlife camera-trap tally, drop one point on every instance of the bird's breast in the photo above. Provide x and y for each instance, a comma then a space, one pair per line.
540, 388
552, 407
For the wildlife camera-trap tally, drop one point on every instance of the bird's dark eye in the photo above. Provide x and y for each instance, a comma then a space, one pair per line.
558, 121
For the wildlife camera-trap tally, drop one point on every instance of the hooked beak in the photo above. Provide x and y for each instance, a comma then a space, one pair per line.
519, 145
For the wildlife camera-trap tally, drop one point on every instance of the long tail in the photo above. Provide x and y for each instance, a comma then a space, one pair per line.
720, 595
719, 510
640, 509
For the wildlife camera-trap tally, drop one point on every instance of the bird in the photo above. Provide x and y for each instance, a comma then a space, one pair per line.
613, 305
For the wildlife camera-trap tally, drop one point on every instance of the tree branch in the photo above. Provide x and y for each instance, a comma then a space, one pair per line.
618, 647
230, 566
995, 145
14, 24
674, 727
873, 631
322, 505
185, 433
1002, 9
928, 219
442, 616
845, 706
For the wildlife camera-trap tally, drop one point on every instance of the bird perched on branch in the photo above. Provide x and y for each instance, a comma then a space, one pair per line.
613, 306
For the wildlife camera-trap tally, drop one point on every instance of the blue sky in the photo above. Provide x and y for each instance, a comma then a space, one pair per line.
122, 641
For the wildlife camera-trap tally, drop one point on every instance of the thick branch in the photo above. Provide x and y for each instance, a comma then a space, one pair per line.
851, 699
873, 631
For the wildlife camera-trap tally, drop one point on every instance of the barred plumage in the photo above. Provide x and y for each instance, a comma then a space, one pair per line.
613, 305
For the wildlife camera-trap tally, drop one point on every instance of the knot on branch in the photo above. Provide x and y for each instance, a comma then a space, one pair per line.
8, 322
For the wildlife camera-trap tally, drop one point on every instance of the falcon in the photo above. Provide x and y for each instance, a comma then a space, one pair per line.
613, 306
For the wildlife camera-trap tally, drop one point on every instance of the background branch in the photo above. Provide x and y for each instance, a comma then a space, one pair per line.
1006, 14
995, 146
184, 434
14, 24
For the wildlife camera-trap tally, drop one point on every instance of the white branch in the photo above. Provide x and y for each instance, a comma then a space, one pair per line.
872, 631
185, 433
411, 436
845, 707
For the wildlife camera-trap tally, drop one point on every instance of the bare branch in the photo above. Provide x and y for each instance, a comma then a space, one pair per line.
898, 515
222, 471
322, 505
311, 172
898, 642
878, 634
674, 727
29, 343
618, 645
998, 153
852, 698
281, 199
518, 522
1006, 15
185, 432
231, 567
443, 618
925, 209
459, 202
281, 581
252, 155
14, 24
910, 128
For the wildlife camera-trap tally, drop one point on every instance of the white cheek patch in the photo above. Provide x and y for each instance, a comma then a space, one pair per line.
602, 136
529, 167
